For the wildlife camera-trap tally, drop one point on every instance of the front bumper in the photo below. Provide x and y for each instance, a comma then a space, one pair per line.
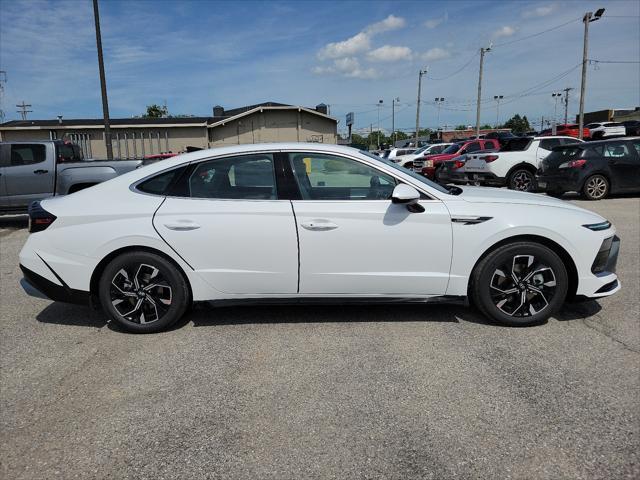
37, 286
603, 280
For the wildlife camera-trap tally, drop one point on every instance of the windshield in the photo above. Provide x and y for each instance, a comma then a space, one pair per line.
406, 171
420, 150
452, 148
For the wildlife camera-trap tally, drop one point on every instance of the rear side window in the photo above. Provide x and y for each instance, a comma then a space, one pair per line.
27, 154
246, 177
616, 150
159, 185
549, 143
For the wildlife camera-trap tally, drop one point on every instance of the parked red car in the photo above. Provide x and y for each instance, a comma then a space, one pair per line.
428, 165
567, 130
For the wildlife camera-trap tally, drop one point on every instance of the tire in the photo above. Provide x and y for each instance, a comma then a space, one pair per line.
596, 187
522, 180
531, 300
143, 292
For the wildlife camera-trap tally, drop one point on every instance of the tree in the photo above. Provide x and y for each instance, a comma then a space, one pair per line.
518, 124
155, 111
486, 126
461, 127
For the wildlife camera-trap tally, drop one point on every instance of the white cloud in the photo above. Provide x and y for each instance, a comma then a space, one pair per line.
542, 11
346, 67
505, 31
434, 22
434, 54
356, 44
390, 23
389, 53
361, 42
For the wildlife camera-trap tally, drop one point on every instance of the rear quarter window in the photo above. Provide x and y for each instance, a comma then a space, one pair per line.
161, 183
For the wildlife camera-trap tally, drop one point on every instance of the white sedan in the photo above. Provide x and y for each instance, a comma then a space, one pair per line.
309, 223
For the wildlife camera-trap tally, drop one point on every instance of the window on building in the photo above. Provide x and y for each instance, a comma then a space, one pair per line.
329, 177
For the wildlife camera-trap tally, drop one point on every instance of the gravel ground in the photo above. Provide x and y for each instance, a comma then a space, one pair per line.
394, 392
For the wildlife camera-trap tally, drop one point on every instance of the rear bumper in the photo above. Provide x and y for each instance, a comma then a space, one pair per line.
486, 178
37, 286
569, 182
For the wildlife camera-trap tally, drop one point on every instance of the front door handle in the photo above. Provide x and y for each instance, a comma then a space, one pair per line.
318, 225
182, 226
40, 172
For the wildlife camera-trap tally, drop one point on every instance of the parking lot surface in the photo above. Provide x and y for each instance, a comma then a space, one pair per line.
394, 392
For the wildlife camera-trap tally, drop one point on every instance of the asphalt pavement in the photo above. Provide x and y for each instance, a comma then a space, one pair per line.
274, 392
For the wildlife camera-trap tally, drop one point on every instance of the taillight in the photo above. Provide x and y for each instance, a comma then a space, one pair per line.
457, 164
573, 164
490, 158
39, 218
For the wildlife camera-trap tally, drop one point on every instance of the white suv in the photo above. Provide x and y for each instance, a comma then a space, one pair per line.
515, 165
606, 129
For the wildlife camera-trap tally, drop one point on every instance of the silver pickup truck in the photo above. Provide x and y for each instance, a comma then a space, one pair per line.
35, 170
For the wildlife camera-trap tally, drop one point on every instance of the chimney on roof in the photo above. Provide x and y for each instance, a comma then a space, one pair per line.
322, 108
218, 111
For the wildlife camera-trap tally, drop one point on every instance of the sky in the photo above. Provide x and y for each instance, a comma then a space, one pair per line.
349, 55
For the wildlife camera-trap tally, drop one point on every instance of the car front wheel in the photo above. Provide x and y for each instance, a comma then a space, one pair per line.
143, 292
519, 284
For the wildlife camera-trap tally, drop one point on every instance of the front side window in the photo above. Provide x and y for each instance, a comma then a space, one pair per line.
27, 154
452, 148
472, 147
329, 177
246, 177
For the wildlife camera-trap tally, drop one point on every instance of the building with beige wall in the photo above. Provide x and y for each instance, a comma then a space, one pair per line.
140, 137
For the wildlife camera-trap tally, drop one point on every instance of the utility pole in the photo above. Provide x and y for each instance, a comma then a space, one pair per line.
393, 119
420, 74
103, 83
482, 52
23, 109
566, 104
3, 80
497, 98
587, 19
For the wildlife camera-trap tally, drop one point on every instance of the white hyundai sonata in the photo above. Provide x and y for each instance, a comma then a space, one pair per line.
300, 222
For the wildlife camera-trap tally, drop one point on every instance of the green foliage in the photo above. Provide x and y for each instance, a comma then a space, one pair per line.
486, 126
461, 127
518, 124
155, 111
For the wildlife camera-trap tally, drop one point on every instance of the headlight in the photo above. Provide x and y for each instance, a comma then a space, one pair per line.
596, 227
428, 163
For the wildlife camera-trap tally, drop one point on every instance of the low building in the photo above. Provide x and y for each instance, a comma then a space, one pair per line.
138, 137
611, 115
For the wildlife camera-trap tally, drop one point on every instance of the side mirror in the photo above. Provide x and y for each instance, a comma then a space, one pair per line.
405, 194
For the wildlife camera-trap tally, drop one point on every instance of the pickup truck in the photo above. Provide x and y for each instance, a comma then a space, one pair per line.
35, 170
515, 165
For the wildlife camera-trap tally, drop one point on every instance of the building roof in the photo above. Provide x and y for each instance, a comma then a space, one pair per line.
231, 114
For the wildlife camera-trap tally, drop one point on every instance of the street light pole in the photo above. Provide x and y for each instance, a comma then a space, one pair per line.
393, 119
556, 96
103, 83
587, 19
482, 52
439, 101
420, 74
497, 98
566, 103
379, 105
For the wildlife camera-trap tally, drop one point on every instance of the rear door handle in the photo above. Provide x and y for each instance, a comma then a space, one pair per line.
182, 226
40, 172
319, 225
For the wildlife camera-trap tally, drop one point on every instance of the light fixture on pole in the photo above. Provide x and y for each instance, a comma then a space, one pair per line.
587, 19
380, 102
393, 119
497, 98
482, 52
420, 74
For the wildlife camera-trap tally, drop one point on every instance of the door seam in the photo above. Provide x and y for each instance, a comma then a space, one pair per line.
295, 219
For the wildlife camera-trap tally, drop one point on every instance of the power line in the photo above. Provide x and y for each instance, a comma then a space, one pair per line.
457, 71
591, 60
537, 34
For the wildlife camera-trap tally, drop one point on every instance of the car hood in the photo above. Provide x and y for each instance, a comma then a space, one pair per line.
438, 157
501, 195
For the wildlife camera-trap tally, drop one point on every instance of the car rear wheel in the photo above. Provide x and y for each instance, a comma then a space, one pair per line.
519, 284
143, 292
521, 179
596, 187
